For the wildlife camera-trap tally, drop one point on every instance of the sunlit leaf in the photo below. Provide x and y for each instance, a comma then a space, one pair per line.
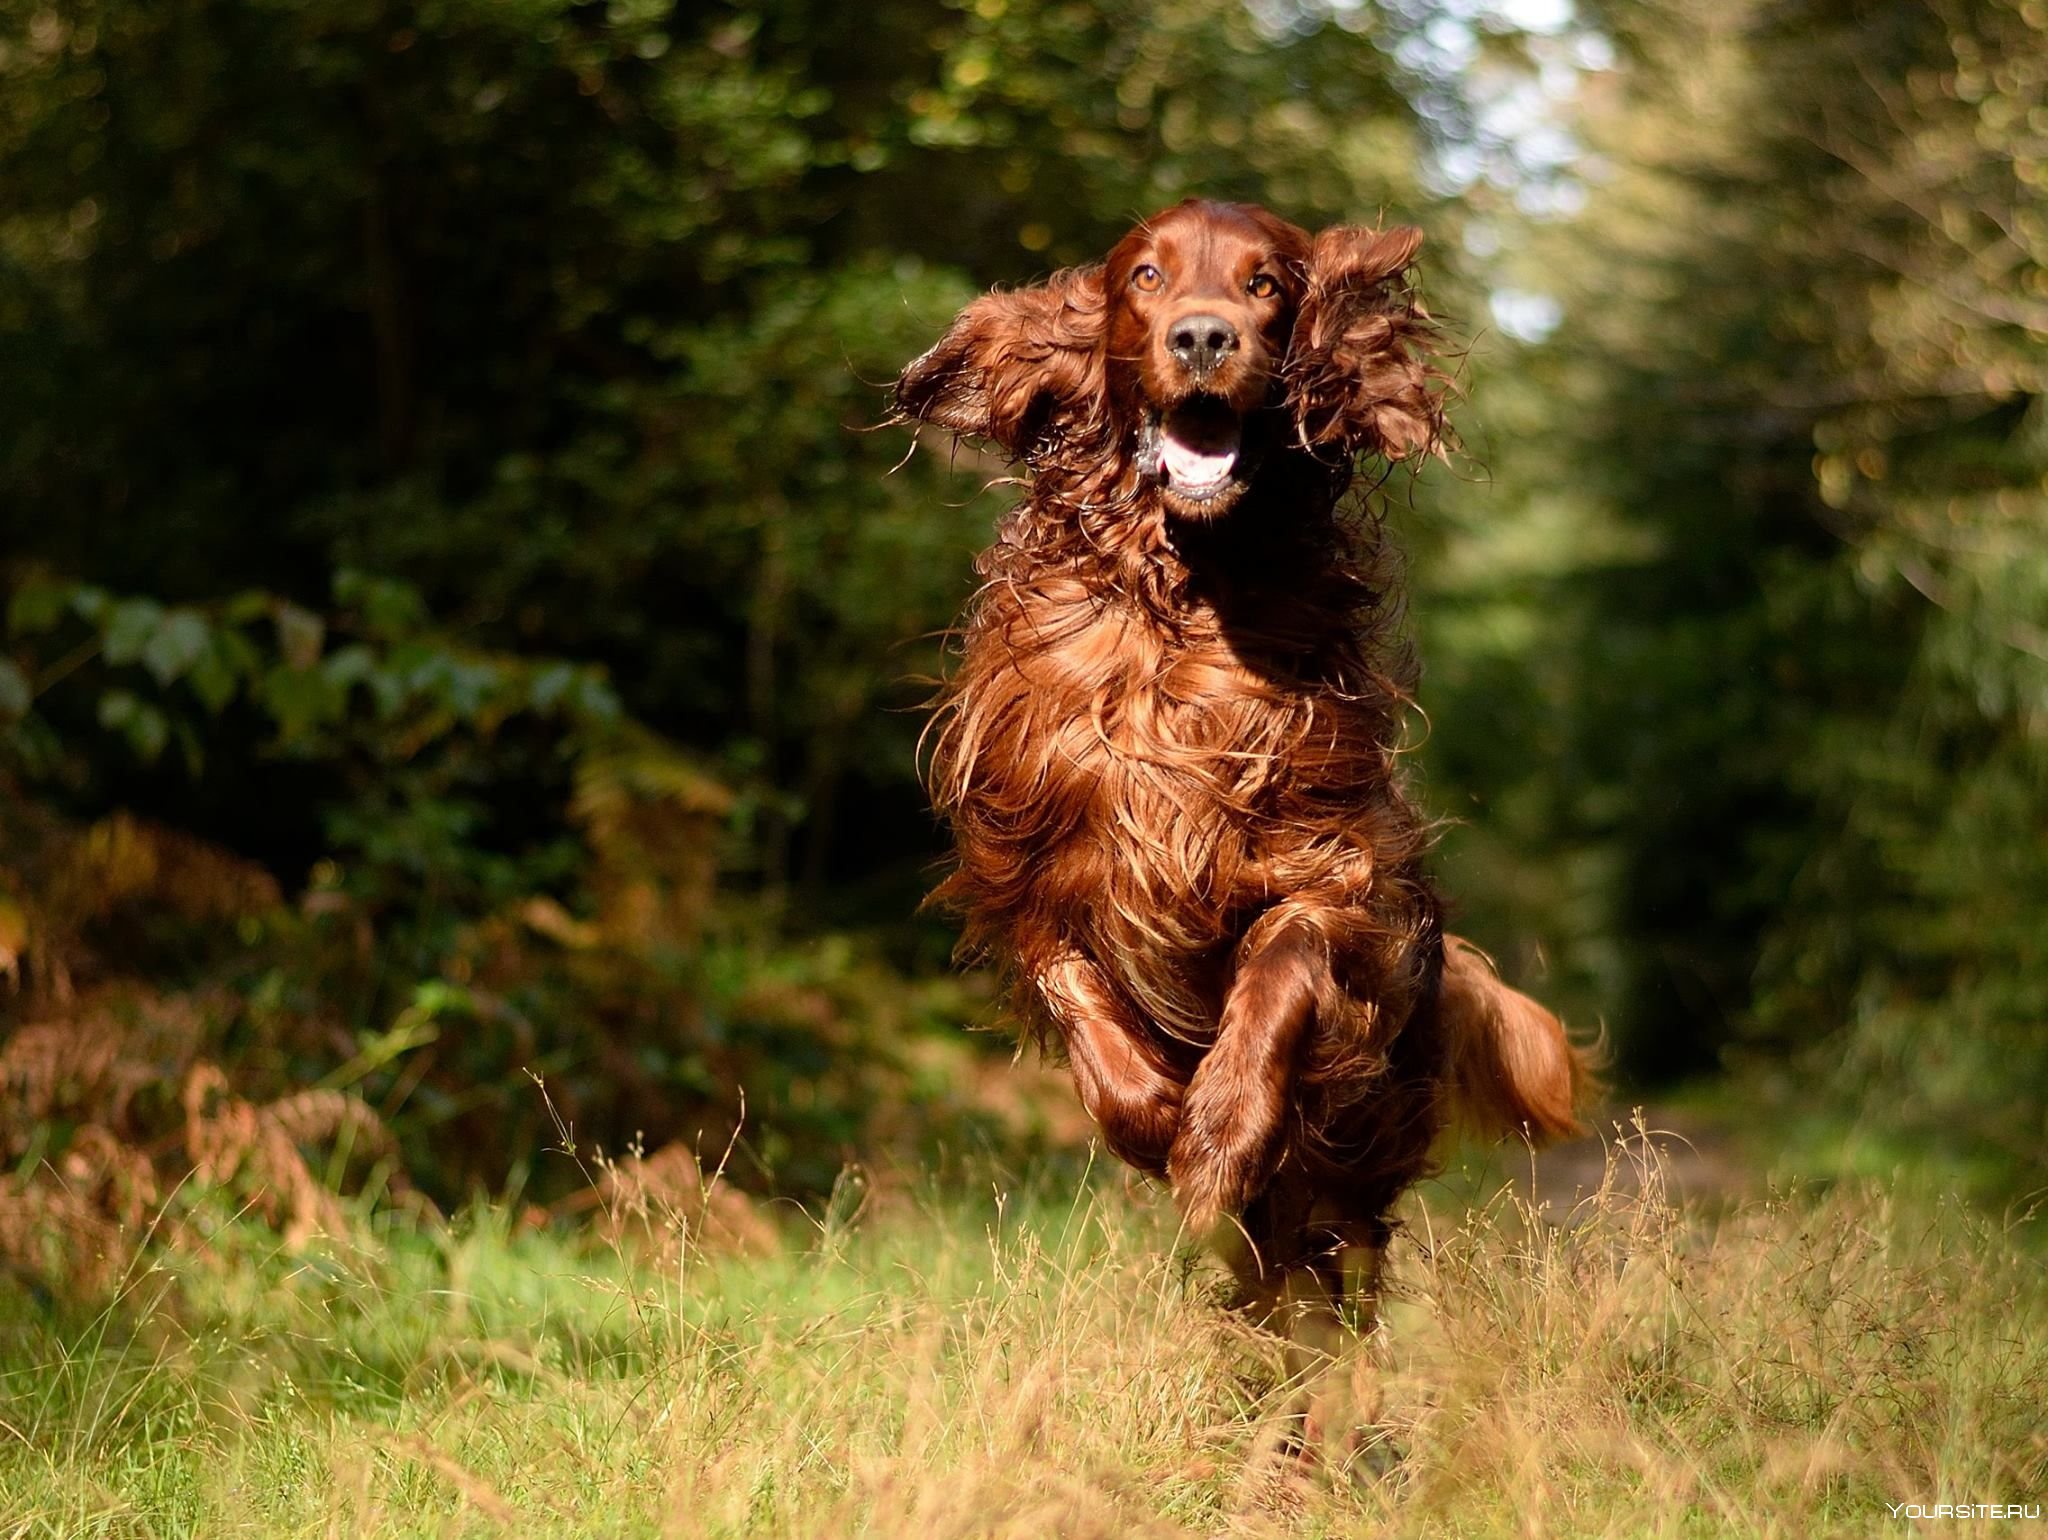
182, 637
130, 626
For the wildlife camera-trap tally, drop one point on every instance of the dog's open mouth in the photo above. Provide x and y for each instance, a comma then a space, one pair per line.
1199, 443
1198, 450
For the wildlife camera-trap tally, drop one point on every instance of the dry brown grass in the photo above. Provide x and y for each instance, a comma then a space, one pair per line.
1049, 1363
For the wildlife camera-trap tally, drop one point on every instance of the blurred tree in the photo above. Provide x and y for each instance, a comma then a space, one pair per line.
1921, 918
364, 363
572, 315
1800, 386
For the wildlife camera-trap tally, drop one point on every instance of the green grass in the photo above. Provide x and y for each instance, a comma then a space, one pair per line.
1032, 1362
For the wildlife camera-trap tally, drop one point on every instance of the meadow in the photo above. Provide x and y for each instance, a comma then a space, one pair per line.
1039, 1356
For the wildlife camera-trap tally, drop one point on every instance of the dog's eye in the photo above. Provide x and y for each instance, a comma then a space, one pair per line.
1147, 278
1263, 286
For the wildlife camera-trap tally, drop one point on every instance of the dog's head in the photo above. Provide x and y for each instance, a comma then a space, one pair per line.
1213, 335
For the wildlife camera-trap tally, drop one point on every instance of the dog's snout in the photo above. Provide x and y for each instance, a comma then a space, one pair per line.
1200, 343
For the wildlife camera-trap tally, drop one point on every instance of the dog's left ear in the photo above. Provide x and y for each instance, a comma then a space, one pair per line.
1013, 363
1361, 370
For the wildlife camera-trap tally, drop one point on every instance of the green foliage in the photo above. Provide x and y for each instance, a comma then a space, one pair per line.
1918, 917
269, 653
1797, 759
415, 722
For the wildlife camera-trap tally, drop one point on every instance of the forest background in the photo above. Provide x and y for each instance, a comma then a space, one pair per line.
465, 621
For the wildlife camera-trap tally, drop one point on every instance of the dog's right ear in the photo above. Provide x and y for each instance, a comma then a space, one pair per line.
1363, 371
1013, 363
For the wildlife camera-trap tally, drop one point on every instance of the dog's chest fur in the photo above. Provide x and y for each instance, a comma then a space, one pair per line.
1139, 792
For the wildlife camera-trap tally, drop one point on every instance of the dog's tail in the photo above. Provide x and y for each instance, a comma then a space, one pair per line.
1512, 1069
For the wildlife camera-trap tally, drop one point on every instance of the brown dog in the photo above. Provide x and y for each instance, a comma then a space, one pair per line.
1169, 753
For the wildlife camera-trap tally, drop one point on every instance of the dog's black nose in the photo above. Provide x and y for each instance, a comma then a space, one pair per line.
1200, 343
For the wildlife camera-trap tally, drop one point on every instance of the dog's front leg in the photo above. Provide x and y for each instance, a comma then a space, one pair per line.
1308, 1270
1233, 1123
1125, 1085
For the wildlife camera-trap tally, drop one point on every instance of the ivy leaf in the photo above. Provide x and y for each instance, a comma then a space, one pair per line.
300, 700
551, 682
250, 604
130, 625
350, 665
145, 727
388, 608
180, 641
595, 698
467, 686
214, 677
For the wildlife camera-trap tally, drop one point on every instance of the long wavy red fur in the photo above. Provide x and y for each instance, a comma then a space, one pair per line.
1170, 752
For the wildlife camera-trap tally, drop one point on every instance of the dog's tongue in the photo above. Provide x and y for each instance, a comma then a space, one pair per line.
1198, 443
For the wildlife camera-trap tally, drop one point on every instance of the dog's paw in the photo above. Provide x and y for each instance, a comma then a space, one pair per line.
1231, 1130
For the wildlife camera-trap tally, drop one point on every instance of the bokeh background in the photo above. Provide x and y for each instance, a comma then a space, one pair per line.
465, 621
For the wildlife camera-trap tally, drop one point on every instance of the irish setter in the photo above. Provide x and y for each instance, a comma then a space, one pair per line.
1170, 751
